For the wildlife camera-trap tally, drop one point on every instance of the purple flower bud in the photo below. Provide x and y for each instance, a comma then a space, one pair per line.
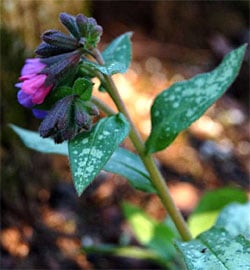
57, 121
59, 65
66, 119
46, 50
82, 118
81, 22
91, 108
70, 23
98, 29
89, 29
85, 33
57, 38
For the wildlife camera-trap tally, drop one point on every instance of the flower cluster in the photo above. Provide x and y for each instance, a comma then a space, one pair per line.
68, 116
58, 56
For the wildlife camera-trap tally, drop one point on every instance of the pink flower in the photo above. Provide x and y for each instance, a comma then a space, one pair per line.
33, 89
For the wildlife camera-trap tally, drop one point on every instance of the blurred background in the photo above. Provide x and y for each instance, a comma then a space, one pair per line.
43, 222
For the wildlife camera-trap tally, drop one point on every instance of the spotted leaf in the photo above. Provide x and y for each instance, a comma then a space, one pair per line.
90, 151
122, 161
216, 249
178, 107
117, 56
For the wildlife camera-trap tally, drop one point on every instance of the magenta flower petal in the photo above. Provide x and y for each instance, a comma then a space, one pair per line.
41, 93
33, 84
26, 77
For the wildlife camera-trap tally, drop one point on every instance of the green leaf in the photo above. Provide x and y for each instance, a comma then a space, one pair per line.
235, 219
83, 88
122, 161
117, 56
130, 166
154, 235
90, 151
124, 251
178, 107
216, 249
33, 141
205, 214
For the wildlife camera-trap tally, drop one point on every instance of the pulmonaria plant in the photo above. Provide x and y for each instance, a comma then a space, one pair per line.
57, 86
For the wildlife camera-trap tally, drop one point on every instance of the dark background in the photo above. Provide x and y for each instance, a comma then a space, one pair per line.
42, 220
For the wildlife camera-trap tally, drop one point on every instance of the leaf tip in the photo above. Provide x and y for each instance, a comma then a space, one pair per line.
130, 34
79, 191
242, 49
12, 126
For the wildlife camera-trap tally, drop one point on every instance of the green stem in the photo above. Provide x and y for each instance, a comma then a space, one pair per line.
156, 177
102, 106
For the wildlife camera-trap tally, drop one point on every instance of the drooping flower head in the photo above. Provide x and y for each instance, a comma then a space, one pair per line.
58, 57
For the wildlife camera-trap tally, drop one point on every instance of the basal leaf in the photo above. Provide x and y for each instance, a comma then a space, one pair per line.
124, 251
33, 141
150, 233
205, 214
122, 161
216, 249
178, 107
235, 219
90, 151
117, 56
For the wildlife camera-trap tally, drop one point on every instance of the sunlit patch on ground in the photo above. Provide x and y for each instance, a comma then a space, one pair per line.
13, 241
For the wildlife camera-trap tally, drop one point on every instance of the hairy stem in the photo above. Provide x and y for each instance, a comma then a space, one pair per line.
156, 177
